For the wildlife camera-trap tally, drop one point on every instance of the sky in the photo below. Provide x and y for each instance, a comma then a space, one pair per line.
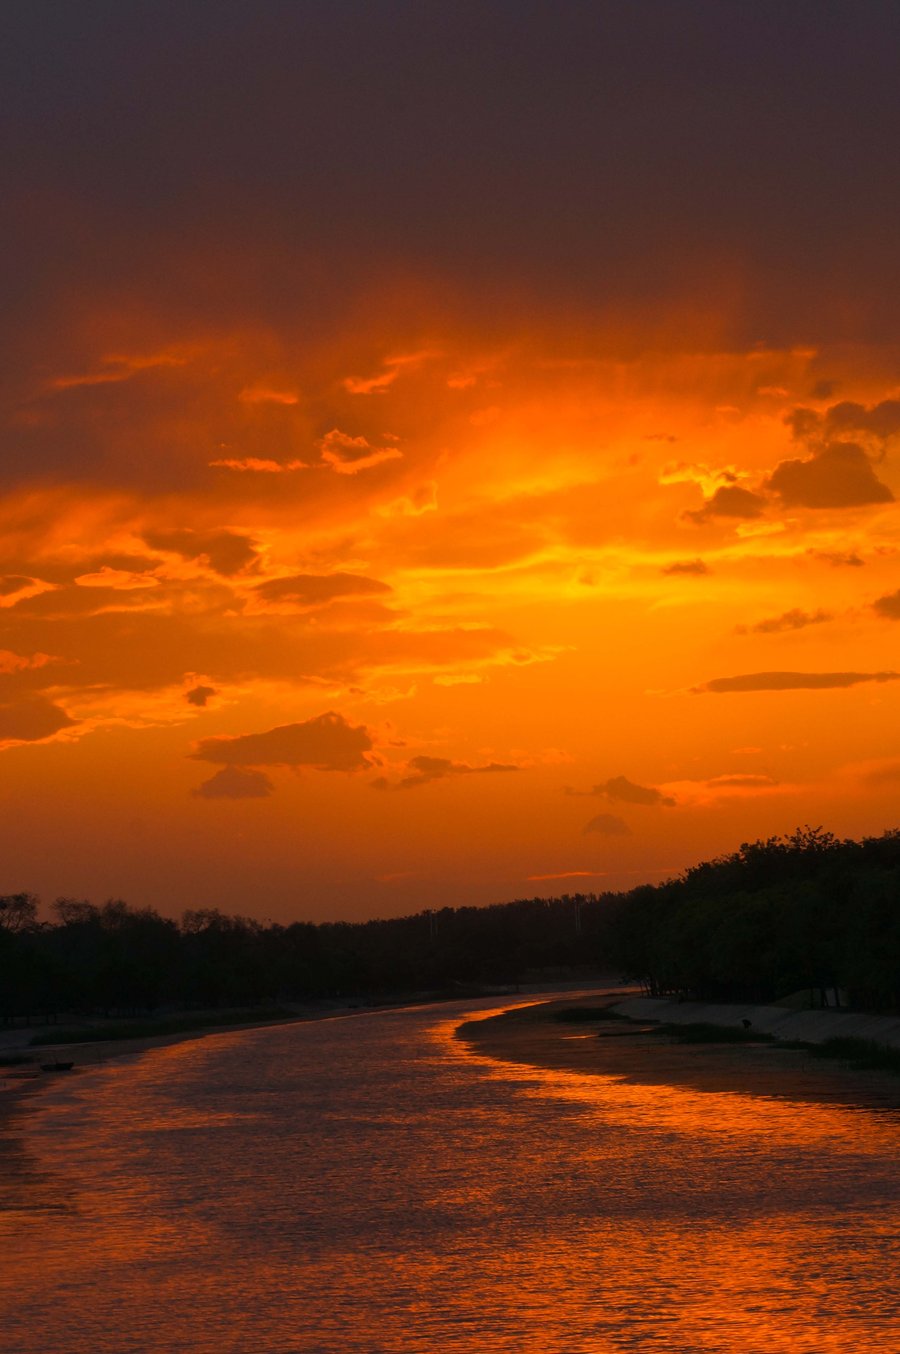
450, 452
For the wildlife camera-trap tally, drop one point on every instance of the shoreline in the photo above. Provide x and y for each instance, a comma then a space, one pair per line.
19, 1082
536, 1036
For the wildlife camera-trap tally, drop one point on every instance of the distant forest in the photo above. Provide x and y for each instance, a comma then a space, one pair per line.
807, 911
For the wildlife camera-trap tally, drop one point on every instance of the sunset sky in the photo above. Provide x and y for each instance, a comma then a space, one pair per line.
451, 451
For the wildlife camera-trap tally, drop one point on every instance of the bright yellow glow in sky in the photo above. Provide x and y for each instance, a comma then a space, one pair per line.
355, 628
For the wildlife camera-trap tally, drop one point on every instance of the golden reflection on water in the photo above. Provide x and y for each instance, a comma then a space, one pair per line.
376, 1187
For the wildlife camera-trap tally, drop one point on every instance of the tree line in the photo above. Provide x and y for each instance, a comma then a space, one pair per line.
803, 912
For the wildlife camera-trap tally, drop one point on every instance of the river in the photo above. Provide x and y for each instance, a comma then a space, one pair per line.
370, 1185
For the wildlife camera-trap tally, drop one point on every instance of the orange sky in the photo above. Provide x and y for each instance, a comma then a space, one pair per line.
446, 591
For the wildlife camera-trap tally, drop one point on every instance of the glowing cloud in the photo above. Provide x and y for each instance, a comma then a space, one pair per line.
349, 455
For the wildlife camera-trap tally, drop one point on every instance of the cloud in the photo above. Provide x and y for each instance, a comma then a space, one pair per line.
426, 769
686, 566
117, 368
122, 580
14, 662
326, 743
258, 465
742, 781
838, 559
788, 620
13, 583
227, 552
607, 825
568, 874
199, 695
888, 606
266, 395
31, 720
879, 423
233, 783
730, 786
729, 500
349, 455
625, 791
310, 590
840, 475
378, 384
793, 681
413, 504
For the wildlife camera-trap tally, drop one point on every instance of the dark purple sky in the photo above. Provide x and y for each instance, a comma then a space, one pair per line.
573, 156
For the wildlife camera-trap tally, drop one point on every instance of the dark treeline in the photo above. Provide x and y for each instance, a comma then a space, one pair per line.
113, 959
806, 912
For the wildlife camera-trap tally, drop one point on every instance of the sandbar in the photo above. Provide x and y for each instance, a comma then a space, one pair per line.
640, 1053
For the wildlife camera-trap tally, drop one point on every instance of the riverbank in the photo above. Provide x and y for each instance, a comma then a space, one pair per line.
639, 1052
19, 1079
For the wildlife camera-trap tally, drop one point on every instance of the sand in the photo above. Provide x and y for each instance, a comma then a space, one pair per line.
638, 1053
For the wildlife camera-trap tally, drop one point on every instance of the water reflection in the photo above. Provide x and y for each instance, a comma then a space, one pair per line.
372, 1186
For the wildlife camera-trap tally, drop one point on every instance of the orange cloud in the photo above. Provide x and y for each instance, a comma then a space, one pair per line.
349, 455
258, 465
266, 395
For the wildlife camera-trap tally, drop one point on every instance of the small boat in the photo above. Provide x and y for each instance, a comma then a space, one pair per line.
57, 1067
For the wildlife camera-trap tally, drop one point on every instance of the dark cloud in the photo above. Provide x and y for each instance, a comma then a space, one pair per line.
842, 443
74, 601
788, 620
607, 825
838, 559
838, 476
687, 566
227, 552
793, 681
878, 424
625, 792
13, 583
32, 719
729, 500
888, 606
881, 421
326, 743
234, 783
199, 695
424, 769
311, 590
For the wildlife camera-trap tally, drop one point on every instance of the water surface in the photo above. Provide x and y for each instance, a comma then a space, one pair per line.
371, 1185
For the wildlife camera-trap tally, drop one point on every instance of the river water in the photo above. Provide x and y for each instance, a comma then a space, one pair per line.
370, 1185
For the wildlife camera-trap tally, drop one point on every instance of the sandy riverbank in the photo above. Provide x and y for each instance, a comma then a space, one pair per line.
637, 1053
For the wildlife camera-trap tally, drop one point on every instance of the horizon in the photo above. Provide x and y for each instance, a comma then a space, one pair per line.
596, 895
447, 455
